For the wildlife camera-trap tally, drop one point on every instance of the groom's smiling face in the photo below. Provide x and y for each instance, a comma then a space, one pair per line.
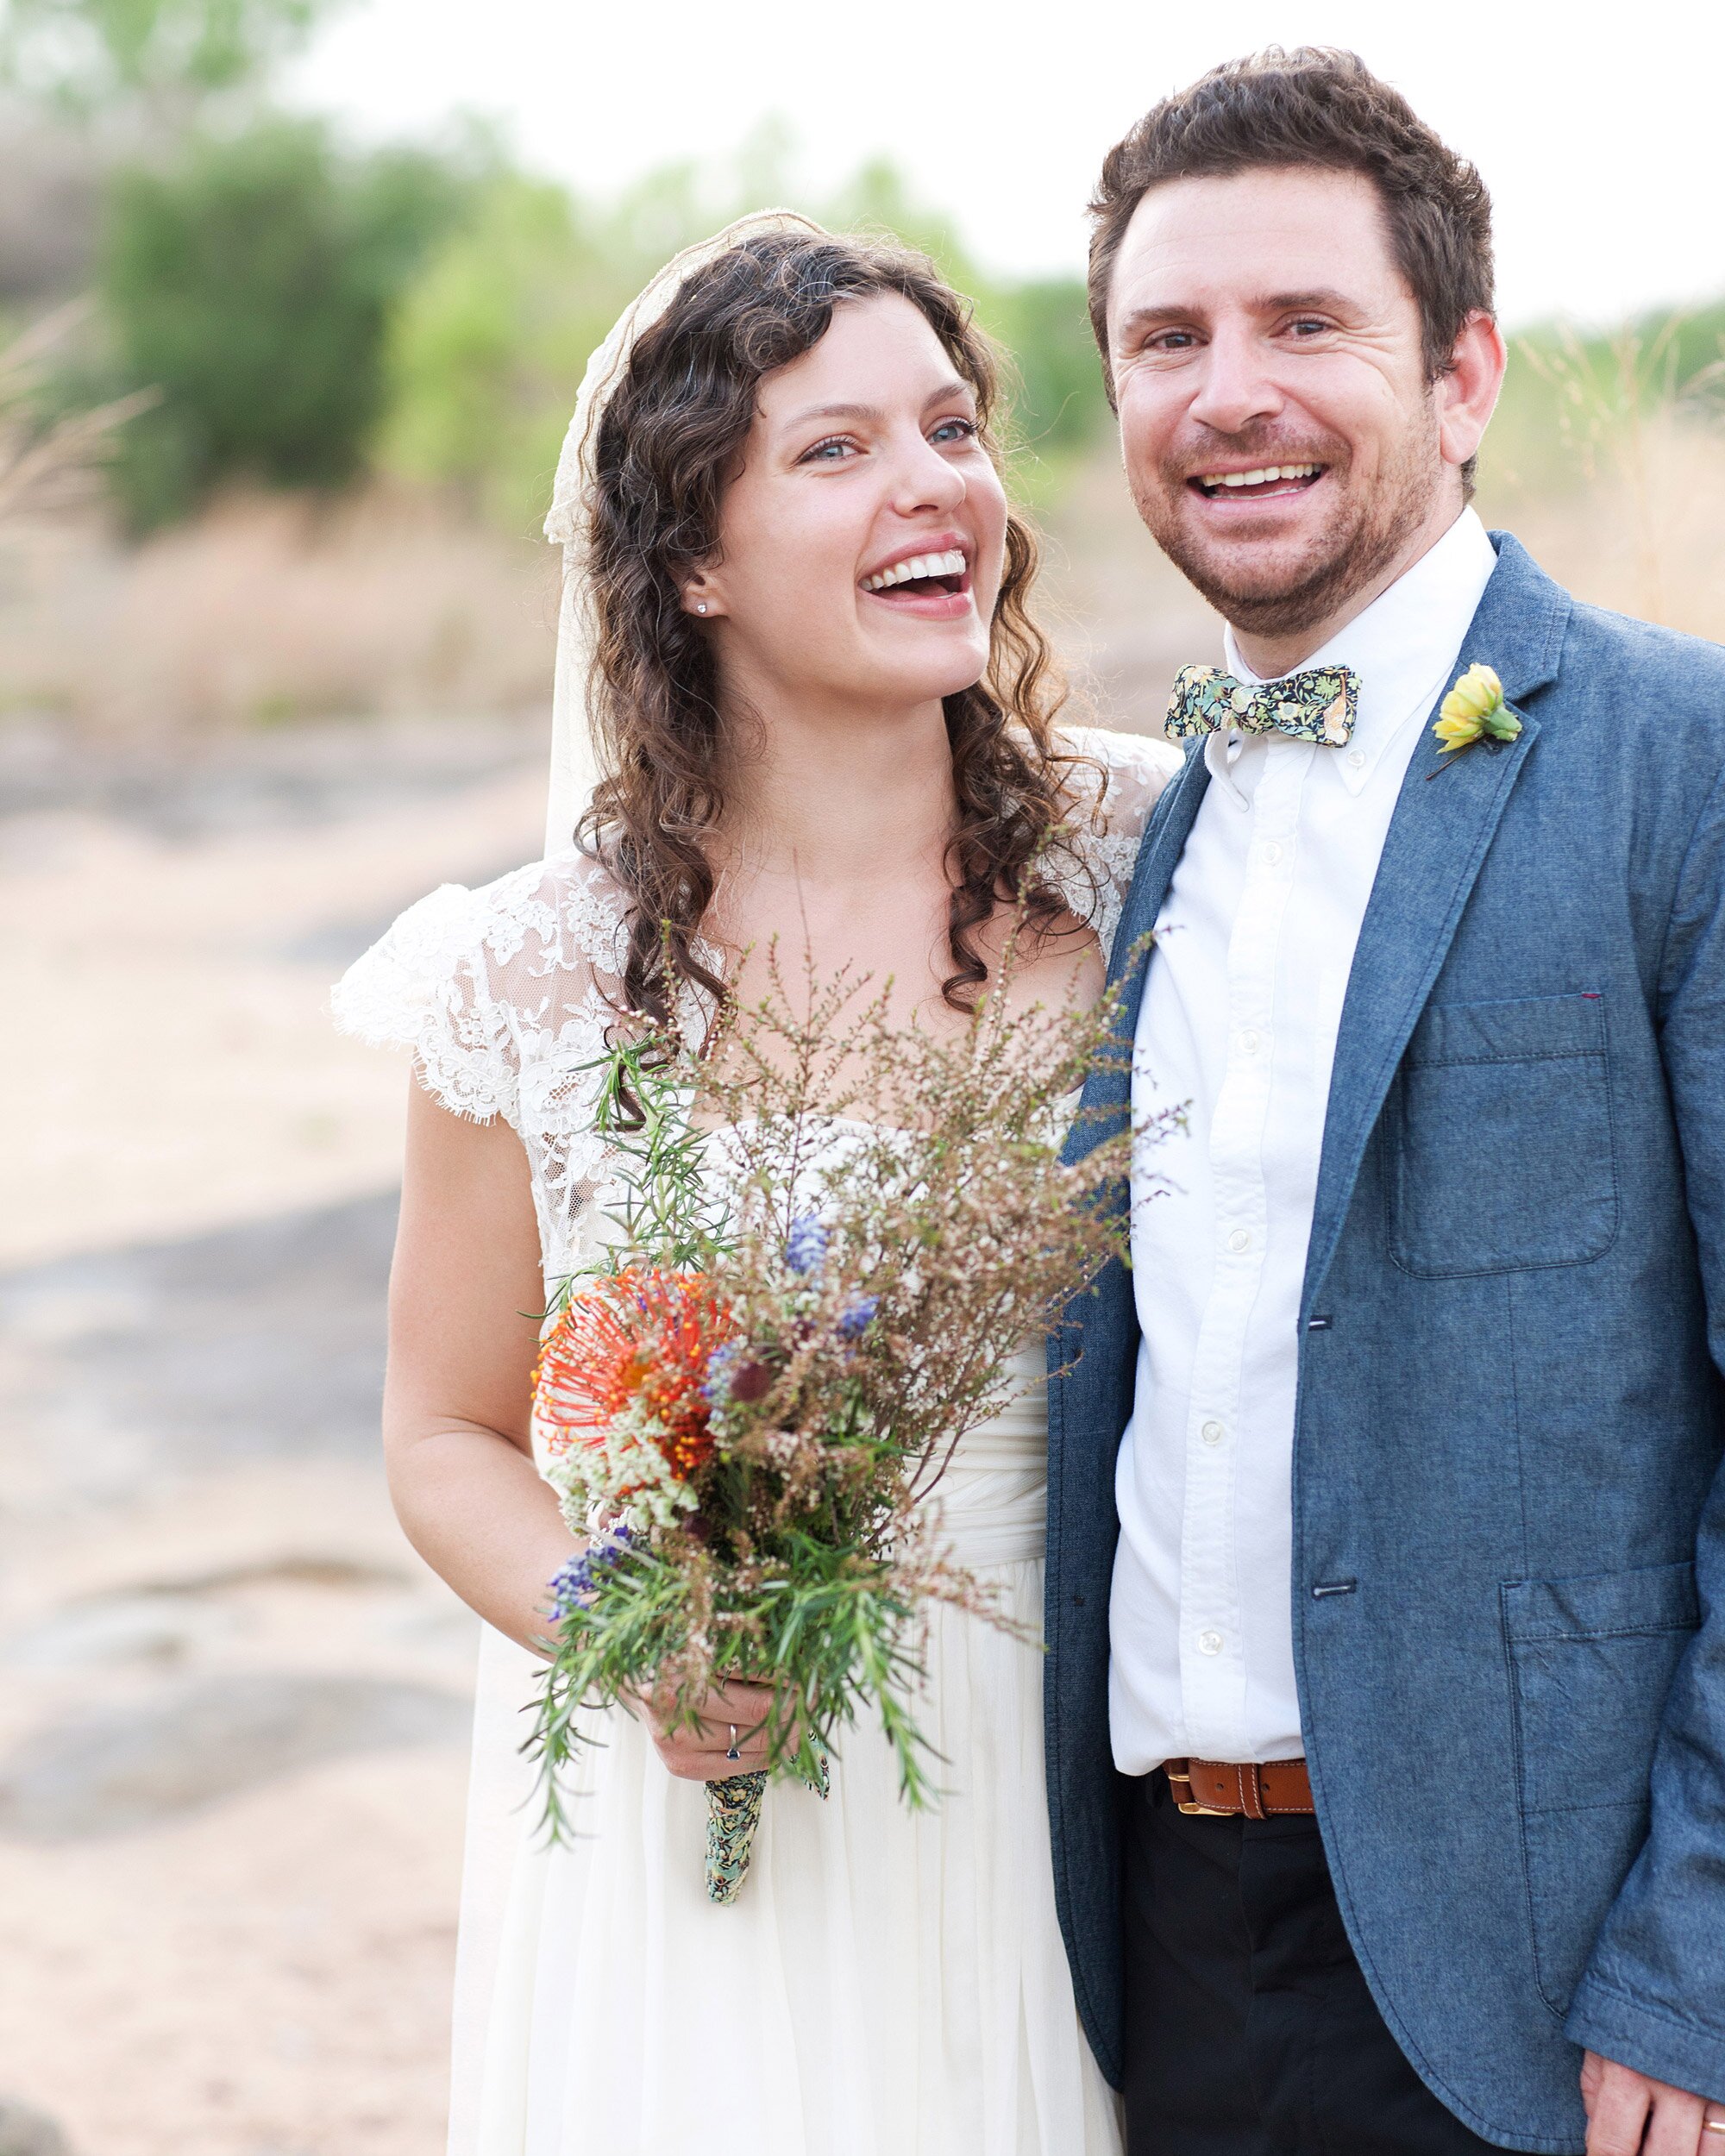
1279, 429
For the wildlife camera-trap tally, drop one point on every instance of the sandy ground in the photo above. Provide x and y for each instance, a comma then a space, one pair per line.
232, 1724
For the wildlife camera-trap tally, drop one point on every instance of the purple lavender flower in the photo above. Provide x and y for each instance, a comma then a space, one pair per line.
805, 1244
721, 1368
571, 1587
856, 1320
575, 1582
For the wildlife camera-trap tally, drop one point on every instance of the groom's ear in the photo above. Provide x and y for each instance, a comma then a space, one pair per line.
1466, 391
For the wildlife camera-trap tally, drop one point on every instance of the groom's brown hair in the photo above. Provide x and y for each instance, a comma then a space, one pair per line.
1319, 107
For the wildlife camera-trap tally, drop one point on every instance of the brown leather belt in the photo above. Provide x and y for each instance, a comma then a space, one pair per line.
1203, 1789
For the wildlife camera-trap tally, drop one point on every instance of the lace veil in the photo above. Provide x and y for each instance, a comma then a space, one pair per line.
574, 761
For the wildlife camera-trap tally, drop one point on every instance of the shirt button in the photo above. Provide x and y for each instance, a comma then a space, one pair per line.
1357, 758
1213, 1434
1272, 854
1209, 1643
1239, 1240
1249, 1043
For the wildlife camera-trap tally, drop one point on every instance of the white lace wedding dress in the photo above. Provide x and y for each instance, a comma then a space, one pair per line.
887, 1983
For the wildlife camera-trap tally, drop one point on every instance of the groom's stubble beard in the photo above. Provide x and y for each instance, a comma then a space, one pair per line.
1363, 537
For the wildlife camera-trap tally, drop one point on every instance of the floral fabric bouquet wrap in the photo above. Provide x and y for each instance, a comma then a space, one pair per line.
835, 1234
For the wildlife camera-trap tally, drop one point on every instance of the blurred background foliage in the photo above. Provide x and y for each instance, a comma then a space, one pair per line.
310, 314
253, 279
488, 339
325, 327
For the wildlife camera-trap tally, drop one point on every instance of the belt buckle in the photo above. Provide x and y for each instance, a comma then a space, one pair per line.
1189, 1809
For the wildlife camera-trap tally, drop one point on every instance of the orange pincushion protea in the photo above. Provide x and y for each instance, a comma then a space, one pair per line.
639, 1339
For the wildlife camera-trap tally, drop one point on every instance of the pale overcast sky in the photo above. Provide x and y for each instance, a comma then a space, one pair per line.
1598, 127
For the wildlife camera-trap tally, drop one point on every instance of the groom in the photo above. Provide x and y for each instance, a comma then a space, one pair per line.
1386, 1730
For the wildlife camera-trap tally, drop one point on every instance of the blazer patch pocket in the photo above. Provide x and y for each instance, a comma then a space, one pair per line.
1591, 1662
1501, 1151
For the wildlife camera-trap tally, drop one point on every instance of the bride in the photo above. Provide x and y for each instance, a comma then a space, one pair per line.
795, 628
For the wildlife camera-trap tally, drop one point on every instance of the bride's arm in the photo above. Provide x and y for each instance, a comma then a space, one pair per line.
464, 1296
465, 1291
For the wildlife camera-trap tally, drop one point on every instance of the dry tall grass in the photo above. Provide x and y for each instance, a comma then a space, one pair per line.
1643, 530
268, 609
48, 461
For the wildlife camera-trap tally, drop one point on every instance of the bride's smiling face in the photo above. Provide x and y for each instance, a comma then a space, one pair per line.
861, 542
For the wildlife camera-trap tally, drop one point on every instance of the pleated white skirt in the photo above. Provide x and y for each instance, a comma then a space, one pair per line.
887, 1982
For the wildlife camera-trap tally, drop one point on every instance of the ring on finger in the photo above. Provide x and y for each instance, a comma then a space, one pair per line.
733, 1753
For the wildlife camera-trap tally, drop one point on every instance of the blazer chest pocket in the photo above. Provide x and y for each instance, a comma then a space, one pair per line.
1501, 1149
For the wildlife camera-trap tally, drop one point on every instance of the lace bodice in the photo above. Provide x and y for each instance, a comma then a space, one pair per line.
504, 994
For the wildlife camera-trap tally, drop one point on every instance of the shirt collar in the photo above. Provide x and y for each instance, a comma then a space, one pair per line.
1402, 647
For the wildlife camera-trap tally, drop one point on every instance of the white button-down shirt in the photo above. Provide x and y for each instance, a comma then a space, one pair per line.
1242, 1002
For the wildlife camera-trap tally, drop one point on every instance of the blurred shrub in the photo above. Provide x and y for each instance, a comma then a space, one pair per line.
250, 281
486, 345
1620, 417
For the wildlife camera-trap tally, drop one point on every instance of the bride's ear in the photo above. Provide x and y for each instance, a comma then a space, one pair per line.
699, 596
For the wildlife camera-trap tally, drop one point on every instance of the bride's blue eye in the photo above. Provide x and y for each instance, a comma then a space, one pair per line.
966, 430
828, 452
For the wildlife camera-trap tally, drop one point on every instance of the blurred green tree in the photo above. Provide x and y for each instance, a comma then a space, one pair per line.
250, 281
486, 346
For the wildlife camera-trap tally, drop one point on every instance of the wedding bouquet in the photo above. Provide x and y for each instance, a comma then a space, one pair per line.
836, 1234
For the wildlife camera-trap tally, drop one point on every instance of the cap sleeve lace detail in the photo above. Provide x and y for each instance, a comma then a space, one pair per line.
423, 986
501, 996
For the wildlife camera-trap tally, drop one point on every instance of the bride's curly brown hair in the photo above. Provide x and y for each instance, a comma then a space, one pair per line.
670, 437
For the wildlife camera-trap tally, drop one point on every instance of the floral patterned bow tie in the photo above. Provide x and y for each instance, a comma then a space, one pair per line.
1320, 704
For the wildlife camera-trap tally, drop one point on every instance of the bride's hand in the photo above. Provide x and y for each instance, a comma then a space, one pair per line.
700, 1753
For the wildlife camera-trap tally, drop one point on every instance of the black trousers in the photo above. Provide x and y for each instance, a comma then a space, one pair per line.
1250, 2031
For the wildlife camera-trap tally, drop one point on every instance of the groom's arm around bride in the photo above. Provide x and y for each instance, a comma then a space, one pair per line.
1386, 1502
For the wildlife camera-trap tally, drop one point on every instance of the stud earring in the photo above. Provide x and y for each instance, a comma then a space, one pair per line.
700, 606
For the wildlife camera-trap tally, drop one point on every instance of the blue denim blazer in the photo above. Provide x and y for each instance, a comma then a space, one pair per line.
1508, 1591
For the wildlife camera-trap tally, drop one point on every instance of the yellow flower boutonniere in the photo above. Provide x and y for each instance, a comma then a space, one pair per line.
1474, 710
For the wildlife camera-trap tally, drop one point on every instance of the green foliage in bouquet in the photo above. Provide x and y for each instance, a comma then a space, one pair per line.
835, 1234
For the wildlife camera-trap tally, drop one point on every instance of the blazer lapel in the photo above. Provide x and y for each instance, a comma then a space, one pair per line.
1106, 1100
1436, 844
